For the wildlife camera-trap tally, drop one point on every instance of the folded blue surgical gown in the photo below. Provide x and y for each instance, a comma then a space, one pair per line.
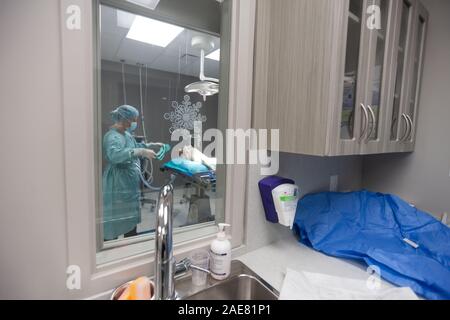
371, 227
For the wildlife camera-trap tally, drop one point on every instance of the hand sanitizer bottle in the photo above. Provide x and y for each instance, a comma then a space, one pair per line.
221, 254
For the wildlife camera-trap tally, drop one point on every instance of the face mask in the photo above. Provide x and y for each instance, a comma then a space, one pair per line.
132, 127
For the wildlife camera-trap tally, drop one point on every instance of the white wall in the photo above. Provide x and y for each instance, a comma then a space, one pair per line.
33, 226
33, 246
47, 176
32, 196
423, 176
311, 174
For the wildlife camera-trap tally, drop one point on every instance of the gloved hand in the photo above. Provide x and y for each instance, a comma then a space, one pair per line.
163, 151
147, 153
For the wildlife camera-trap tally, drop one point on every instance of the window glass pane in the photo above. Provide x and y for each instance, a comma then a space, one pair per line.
377, 70
356, 7
351, 70
149, 72
404, 24
400, 66
417, 59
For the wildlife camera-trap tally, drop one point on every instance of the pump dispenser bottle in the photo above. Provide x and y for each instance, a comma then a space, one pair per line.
221, 254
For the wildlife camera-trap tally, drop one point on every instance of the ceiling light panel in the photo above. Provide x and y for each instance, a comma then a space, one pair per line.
153, 32
150, 4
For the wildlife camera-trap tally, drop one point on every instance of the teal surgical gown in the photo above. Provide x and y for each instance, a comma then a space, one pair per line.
121, 184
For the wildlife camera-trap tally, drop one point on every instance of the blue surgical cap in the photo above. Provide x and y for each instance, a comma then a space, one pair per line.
124, 112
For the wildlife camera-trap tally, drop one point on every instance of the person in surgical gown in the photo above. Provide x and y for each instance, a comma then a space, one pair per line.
121, 178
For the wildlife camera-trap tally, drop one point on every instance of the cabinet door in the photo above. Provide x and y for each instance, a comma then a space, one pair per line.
420, 22
351, 120
377, 81
397, 120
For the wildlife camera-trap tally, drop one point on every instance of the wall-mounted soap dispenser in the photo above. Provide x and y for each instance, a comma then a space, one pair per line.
279, 196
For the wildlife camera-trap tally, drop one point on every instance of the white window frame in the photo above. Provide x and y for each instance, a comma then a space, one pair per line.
78, 86
109, 253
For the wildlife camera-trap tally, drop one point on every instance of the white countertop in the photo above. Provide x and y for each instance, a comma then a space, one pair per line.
271, 261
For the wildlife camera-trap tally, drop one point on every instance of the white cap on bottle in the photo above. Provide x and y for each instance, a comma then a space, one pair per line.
221, 235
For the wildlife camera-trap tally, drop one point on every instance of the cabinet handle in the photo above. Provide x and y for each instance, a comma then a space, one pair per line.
408, 137
374, 122
405, 117
365, 122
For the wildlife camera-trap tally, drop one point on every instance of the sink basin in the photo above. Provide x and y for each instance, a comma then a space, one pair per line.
243, 287
243, 284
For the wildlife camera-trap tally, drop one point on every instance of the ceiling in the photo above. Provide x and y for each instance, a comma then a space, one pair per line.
177, 57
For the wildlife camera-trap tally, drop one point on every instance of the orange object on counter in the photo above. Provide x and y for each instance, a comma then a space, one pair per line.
139, 289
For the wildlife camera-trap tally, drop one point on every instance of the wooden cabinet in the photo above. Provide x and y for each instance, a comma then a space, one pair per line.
408, 51
326, 73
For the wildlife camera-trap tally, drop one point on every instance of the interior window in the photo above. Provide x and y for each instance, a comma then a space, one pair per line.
155, 77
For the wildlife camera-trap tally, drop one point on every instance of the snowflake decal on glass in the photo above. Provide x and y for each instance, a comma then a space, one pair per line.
185, 115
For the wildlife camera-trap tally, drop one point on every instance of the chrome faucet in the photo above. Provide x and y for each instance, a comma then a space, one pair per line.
165, 266
164, 260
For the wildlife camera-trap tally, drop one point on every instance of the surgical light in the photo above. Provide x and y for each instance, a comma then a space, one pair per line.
215, 55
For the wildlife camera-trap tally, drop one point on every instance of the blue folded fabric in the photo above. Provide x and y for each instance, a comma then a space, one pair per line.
371, 227
186, 167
